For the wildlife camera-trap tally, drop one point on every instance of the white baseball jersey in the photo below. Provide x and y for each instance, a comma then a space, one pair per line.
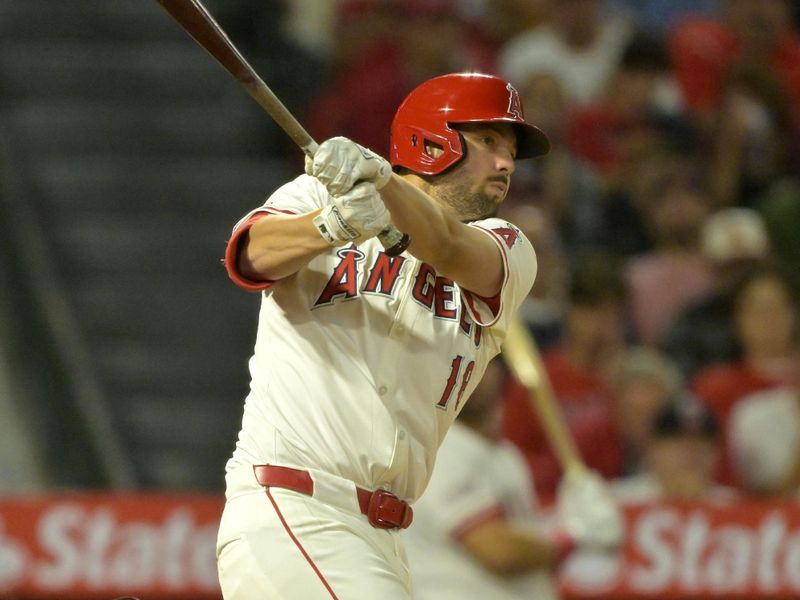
474, 480
362, 361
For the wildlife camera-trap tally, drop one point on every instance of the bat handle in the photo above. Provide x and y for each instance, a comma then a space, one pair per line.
393, 240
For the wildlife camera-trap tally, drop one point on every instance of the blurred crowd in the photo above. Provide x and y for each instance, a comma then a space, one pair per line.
665, 218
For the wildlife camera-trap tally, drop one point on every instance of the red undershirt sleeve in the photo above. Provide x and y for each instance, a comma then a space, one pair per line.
231, 260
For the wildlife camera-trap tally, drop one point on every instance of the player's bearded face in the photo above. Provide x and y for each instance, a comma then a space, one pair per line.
470, 201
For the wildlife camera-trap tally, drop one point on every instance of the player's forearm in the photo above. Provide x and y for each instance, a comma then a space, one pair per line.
506, 550
440, 239
429, 224
280, 245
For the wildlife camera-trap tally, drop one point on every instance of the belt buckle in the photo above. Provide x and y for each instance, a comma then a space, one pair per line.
386, 511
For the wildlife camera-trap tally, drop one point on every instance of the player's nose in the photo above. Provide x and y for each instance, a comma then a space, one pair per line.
505, 163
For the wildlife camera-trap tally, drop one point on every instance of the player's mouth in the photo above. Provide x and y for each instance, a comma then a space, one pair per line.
500, 184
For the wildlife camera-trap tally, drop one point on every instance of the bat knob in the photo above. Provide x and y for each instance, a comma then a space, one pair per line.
394, 241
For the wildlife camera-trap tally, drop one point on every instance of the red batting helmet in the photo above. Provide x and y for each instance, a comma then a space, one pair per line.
428, 111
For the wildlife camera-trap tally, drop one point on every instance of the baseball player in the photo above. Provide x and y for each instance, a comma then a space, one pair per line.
362, 360
478, 530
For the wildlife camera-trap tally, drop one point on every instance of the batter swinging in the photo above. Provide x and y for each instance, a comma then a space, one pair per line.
362, 361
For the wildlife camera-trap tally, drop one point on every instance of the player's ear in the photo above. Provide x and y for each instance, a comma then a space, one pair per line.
433, 149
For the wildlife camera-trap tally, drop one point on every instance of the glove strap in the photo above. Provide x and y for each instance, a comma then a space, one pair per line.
333, 228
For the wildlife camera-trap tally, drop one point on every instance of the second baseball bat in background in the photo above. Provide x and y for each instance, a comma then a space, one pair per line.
198, 22
522, 357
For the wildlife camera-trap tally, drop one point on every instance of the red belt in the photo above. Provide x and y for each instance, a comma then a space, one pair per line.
383, 509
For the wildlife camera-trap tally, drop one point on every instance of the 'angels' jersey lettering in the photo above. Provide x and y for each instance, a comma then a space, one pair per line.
355, 354
383, 274
344, 281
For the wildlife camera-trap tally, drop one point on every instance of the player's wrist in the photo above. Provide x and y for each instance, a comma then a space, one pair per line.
332, 226
382, 169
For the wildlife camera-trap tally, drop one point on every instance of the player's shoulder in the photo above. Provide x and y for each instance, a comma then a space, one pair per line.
505, 230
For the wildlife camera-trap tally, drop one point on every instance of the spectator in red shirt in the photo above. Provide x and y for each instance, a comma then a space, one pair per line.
578, 370
597, 132
384, 49
740, 76
750, 31
366, 79
765, 314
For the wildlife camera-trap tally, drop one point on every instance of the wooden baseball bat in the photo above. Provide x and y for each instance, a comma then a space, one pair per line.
198, 22
525, 363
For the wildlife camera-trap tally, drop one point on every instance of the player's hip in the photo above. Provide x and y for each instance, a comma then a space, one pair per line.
293, 537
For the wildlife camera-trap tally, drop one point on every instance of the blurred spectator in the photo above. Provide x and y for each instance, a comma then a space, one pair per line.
704, 50
680, 458
675, 272
765, 314
383, 49
659, 15
780, 208
578, 368
559, 183
368, 80
504, 19
476, 533
765, 441
649, 158
597, 130
751, 135
309, 23
642, 383
579, 44
734, 240
543, 309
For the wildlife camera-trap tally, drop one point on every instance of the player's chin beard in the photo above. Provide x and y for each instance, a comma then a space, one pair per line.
469, 204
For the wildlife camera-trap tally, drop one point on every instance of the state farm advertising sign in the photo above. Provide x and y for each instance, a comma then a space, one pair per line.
744, 550
159, 547
101, 546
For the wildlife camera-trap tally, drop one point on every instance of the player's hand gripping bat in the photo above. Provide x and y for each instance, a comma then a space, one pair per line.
198, 22
523, 359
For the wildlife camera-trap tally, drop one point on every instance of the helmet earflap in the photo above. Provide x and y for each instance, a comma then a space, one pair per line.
417, 141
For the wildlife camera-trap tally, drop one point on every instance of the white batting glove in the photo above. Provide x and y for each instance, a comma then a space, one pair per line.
359, 213
339, 163
587, 511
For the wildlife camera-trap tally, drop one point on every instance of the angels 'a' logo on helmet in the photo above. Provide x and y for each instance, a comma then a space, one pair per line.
514, 103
